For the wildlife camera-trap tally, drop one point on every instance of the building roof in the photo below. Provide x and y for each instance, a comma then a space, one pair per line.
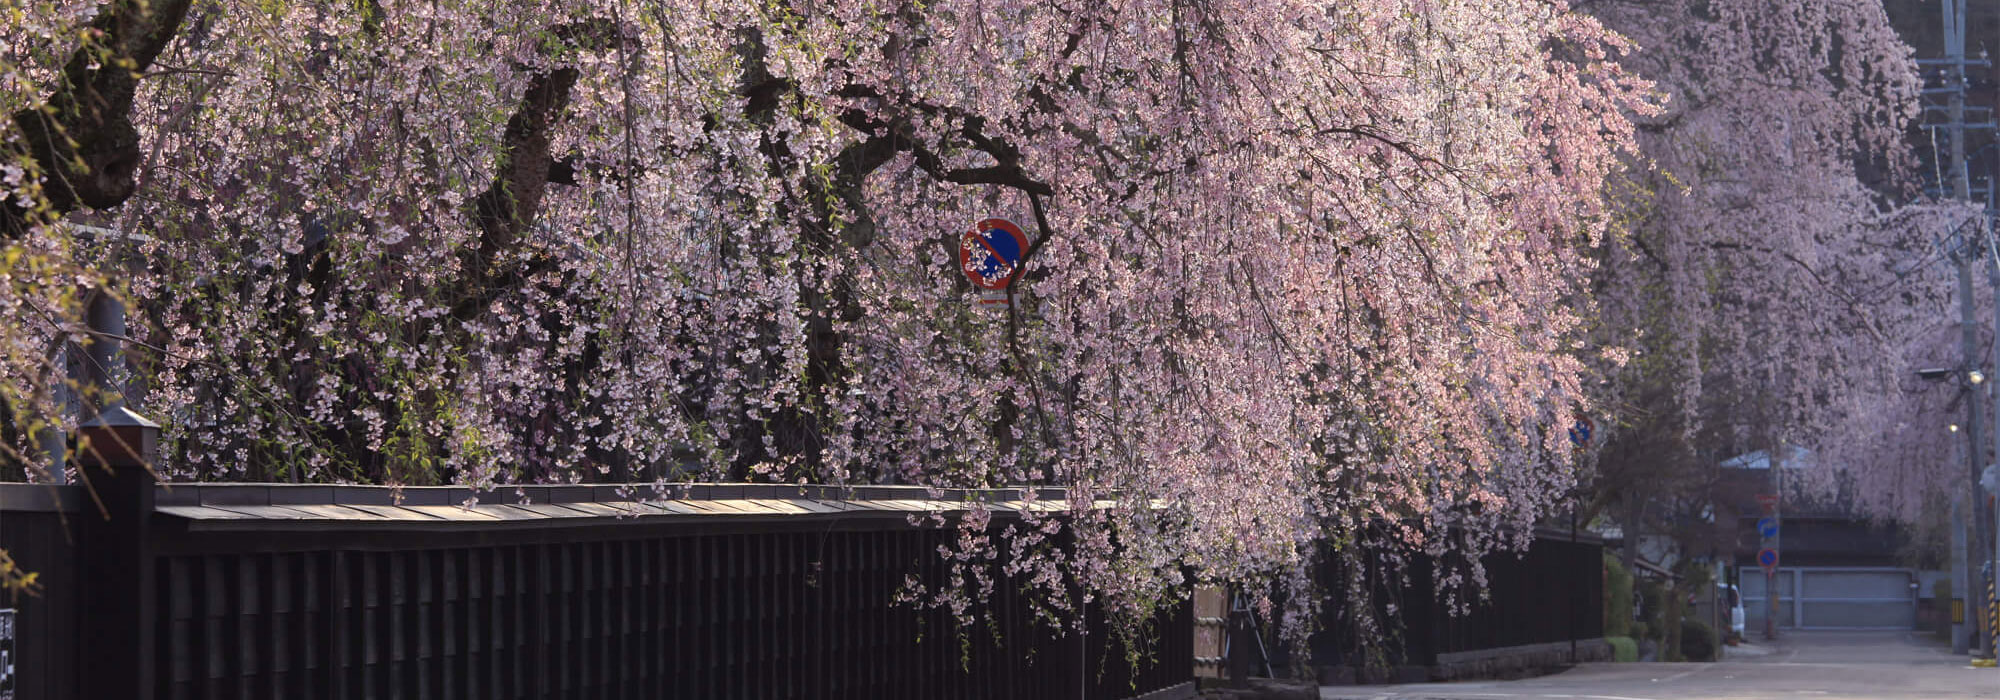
1794, 457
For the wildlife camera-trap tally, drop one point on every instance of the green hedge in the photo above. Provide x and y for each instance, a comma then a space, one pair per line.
1617, 598
1623, 649
1697, 641
1652, 610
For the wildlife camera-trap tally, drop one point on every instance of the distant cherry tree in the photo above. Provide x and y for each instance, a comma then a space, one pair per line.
1777, 284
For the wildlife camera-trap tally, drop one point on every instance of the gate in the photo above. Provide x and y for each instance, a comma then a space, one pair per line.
1833, 597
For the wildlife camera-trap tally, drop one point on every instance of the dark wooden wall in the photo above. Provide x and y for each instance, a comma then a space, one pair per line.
589, 608
46, 644
1551, 592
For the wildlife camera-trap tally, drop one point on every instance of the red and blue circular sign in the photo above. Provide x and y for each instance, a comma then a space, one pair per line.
990, 254
1579, 434
1768, 559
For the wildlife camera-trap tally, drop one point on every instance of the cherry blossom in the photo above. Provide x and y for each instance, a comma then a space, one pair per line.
1296, 268
1778, 285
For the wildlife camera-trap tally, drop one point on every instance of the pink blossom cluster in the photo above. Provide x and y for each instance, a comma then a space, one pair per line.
1768, 279
1299, 272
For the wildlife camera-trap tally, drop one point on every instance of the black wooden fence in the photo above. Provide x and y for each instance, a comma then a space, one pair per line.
1547, 597
256, 591
1551, 593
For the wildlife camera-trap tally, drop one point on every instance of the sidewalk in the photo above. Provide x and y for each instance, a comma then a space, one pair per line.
1899, 647
1887, 665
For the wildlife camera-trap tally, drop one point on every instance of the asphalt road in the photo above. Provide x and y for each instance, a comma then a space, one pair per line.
1815, 665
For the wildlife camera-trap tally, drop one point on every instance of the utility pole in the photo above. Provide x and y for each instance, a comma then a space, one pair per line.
1992, 568
1965, 255
1968, 542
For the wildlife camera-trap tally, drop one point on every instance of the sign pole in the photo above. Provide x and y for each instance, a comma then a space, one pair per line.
1768, 531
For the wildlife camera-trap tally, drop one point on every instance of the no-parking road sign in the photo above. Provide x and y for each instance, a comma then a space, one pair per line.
990, 254
1768, 559
1579, 434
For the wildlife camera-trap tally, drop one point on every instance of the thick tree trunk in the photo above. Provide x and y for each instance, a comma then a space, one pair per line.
13, 462
1629, 553
81, 137
1670, 645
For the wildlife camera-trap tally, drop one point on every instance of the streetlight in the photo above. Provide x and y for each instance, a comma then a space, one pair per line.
1938, 374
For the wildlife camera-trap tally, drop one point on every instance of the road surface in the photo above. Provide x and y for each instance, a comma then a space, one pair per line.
1801, 665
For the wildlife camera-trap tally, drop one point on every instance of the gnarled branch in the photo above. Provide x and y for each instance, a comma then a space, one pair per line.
81, 138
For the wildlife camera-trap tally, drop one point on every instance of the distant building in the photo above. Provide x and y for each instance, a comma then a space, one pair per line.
1836, 570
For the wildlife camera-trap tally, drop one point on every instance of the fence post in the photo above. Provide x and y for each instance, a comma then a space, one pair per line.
115, 453
1242, 637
